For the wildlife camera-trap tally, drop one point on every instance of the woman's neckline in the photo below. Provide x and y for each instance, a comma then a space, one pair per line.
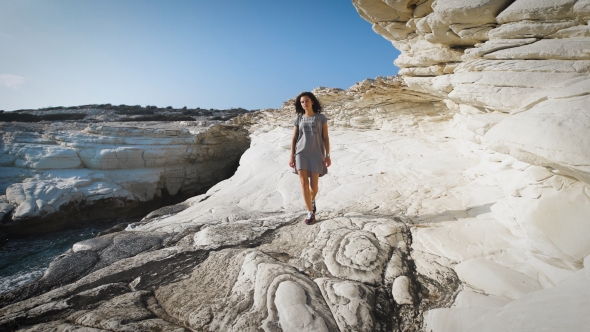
309, 116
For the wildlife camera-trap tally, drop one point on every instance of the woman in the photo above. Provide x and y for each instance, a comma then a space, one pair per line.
310, 148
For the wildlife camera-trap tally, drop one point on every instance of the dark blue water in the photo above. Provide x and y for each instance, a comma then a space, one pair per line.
25, 259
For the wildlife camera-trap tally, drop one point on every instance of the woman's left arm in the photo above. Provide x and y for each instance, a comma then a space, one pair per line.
326, 137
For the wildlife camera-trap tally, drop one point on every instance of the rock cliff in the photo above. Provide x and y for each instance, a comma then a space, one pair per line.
517, 75
458, 199
55, 174
522, 65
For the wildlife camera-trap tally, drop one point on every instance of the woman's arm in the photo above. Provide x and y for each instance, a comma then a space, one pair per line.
326, 137
293, 143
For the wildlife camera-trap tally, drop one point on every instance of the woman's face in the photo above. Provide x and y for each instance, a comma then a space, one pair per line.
306, 103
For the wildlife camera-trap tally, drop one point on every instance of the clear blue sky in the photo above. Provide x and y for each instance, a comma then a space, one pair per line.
195, 53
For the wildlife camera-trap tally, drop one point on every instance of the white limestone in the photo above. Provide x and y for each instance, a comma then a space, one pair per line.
493, 46
474, 213
520, 90
454, 320
530, 29
563, 307
294, 314
573, 32
384, 11
470, 299
265, 293
552, 66
69, 165
541, 10
495, 280
46, 157
40, 198
557, 119
428, 55
402, 290
351, 303
550, 49
215, 236
459, 23
352, 251
469, 174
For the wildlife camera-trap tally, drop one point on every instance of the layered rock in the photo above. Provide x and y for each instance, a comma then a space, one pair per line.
418, 227
517, 74
457, 200
277, 273
58, 173
500, 56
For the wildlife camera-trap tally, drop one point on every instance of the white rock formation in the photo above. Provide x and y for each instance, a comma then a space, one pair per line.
458, 198
402, 290
351, 303
396, 153
521, 88
263, 293
63, 170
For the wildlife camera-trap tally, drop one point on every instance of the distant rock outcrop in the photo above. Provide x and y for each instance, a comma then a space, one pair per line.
458, 199
58, 173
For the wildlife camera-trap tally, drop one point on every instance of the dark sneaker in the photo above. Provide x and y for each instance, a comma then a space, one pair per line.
313, 209
310, 218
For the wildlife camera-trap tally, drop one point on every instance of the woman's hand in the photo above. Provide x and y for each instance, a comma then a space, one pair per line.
327, 161
292, 161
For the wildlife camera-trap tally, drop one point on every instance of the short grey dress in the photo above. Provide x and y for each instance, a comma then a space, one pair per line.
310, 149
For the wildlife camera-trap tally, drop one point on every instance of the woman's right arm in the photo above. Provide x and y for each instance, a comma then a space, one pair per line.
293, 143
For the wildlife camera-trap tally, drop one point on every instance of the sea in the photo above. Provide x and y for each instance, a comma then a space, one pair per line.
25, 259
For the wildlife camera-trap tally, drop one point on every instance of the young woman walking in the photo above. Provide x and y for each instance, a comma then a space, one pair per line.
310, 148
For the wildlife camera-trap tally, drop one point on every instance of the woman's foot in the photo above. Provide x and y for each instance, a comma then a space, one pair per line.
310, 218
313, 209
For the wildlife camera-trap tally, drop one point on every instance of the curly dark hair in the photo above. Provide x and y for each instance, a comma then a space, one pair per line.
317, 107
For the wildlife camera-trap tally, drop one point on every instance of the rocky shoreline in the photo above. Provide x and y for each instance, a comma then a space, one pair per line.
56, 174
458, 200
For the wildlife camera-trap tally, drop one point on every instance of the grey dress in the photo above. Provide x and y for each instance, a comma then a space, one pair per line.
310, 149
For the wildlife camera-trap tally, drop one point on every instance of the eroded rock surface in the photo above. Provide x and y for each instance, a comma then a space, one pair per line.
61, 173
418, 226
516, 74
525, 57
239, 258
458, 199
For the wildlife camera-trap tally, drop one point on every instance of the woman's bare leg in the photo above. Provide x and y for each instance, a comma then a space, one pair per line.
303, 177
313, 184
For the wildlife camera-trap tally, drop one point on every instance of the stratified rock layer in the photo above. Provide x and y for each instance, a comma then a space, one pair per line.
58, 174
410, 215
458, 199
239, 257
517, 74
